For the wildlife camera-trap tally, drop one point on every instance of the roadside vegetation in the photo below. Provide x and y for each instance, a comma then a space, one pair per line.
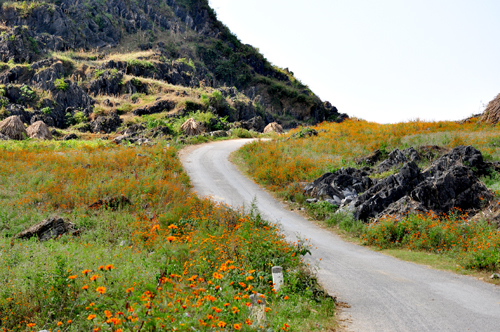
165, 260
286, 164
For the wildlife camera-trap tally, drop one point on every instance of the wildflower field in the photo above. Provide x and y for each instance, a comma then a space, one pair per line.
285, 164
167, 261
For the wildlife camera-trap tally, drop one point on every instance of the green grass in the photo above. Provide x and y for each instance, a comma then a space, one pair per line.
167, 255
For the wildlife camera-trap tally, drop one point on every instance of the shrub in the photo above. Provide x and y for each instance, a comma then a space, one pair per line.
46, 110
61, 84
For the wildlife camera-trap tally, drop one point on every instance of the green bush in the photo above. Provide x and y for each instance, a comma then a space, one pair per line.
61, 85
46, 110
322, 210
79, 117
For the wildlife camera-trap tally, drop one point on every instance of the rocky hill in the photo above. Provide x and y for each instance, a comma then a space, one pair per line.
104, 65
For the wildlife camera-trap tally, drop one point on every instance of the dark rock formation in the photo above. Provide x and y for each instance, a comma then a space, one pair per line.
106, 124
157, 107
49, 229
450, 182
112, 203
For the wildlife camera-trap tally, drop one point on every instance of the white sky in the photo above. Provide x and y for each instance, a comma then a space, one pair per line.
385, 60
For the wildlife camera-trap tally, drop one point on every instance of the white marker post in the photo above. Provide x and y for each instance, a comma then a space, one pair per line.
277, 277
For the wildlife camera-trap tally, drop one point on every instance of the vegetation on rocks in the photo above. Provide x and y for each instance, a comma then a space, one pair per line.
99, 57
288, 164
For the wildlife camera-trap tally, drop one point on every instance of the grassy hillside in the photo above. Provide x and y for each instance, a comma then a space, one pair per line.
161, 259
284, 165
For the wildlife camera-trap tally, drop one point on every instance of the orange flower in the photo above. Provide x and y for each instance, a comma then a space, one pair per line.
85, 287
90, 317
248, 321
109, 267
235, 310
69, 321
221, 324
286, 297
59, 323
94, 277
72, 277
170, 238
101, 290
249, 278
155, 227
237, 326
30, 324
108, 314
172, 226
101, 267
217, 275
84, 272
130, 289
267, 309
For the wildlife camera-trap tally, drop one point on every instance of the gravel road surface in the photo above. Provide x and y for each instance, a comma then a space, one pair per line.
384, 293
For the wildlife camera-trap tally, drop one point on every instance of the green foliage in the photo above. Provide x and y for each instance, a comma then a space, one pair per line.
154, 122
61, 84
98, 73
124, 108
242, 133
46, 110
227, 64
322, 210
136, 82
79, 117
144, 64
492, 181
188, 62
28, 93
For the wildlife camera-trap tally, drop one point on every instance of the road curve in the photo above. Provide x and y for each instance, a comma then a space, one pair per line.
385, 294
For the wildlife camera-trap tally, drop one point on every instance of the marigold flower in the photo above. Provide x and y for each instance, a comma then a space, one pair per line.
101, 290
217, 275
59, 323
109, 267
94, 277
172, 226
286, 297
170, 238
69, 321
130, 289
249, 278
108, 313
248, 321
101, 267
73, 277
30, 324
235, 310
267, 309
84, 272
221, 324
237, 326
91, 316
85, 287
155, 227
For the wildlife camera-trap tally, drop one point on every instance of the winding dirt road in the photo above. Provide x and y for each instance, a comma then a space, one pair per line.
385, 294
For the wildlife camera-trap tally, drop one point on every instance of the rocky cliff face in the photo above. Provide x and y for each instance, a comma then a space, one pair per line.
64, 57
